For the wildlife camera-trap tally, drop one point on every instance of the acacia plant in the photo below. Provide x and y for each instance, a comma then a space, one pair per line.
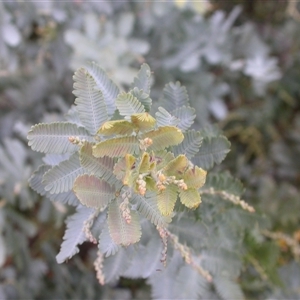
136, 179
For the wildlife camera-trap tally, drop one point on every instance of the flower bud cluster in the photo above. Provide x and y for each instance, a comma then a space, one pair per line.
76, 140
124, 207
145, 143
162, 181
141, 185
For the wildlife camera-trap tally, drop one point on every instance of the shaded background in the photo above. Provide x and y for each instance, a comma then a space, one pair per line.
240, 62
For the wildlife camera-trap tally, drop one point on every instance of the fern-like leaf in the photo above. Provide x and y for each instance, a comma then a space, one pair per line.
164, 118
212, 151
115, 265
117, 127
90, 102
164, 137
74, 234
147, 207
68, 198
128, 105
177, 166
144, 121
143, 79
102, 167
61, 177
108, 88
166, 200
162, 158
190, 145
123, 232
186, 117
35, 180
190, 198
116, 147
142, 97
54, 137
174, 96
195, 177
106, 245
92, 191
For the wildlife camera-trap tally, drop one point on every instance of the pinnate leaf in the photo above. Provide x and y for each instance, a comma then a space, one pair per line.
195, 177
142, 97
90, 102
144, 121
190, 198
74, 234
61, 177
174, 96
212, 151
122, 232
177, 166
164, 118
128, 105
117, 127
92, 191
164, 137
166, 200
190, 145
102, 167
116, 147
106, 245
186, 117
147, 207
107, 87
143, 79
54, 137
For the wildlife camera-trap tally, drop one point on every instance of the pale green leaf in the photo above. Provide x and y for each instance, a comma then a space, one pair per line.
144, 121
194, 177
35, 180
115, 265
166, 200
117, 127
212, 151
143, 79
102, 167
54, 137
36, 184
164, 118
74, 234
116, 147
190, 198
186, 117
162, 158
147, 207
107, 87
174, 96
177, 166
61, 177
128, 105
190, 145
92, 191
142, 97
122, 232
106, 245
90, 102
164, 137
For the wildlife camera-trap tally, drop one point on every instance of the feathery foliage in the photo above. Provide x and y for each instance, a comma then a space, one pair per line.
136, 171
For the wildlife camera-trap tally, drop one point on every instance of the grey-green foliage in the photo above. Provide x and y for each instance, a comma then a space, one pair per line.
97, 177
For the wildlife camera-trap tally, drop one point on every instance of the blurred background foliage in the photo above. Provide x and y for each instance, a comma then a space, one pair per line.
240, 63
